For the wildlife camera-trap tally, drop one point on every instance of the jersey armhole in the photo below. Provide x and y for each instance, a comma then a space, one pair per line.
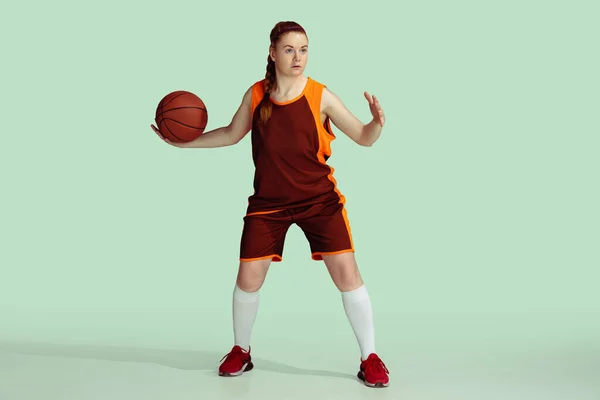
258, 93
327, 124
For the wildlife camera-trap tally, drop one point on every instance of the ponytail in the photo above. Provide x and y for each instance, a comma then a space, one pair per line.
270, 81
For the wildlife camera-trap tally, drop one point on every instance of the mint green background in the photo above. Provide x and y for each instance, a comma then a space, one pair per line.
475, 216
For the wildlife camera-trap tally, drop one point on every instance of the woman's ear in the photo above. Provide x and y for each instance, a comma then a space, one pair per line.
272, 53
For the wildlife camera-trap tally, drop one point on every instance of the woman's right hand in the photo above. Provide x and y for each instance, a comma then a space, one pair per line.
160, 135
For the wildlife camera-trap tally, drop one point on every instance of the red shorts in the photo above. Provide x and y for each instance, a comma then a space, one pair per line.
325, 225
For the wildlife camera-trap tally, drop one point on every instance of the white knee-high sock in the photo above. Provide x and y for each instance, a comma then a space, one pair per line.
245, 308
357, 305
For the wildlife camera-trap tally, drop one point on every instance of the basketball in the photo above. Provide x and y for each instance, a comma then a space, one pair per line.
181, 116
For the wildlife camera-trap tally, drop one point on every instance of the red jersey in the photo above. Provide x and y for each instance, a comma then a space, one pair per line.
290, 153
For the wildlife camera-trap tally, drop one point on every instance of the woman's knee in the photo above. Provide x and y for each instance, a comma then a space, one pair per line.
251, 274
343, 269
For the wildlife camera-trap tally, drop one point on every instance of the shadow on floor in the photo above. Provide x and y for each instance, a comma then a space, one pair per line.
179, 359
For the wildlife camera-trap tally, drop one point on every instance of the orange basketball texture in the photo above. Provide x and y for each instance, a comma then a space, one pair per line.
181, 116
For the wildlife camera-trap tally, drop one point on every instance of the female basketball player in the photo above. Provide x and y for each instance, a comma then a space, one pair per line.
290, 117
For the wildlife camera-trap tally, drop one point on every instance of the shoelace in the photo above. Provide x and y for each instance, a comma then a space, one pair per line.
235, 352
377, 366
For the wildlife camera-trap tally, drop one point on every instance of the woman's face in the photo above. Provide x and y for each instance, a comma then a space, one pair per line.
291, 53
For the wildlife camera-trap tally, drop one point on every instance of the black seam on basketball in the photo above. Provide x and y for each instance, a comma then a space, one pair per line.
162, 121
175, 136
174, 97
186, 125
180, 108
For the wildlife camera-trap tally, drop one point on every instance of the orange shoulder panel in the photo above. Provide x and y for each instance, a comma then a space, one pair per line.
314, 94
258, 92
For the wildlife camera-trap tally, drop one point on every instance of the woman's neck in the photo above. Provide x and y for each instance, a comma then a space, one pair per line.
289, 86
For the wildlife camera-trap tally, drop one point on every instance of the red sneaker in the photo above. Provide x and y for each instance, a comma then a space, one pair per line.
237, 361
374, 372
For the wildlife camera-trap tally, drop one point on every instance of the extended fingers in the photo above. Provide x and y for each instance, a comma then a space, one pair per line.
373, 100
160, 135
377, 107
376, 101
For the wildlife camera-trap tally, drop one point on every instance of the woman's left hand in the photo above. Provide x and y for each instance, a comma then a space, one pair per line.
376, 109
